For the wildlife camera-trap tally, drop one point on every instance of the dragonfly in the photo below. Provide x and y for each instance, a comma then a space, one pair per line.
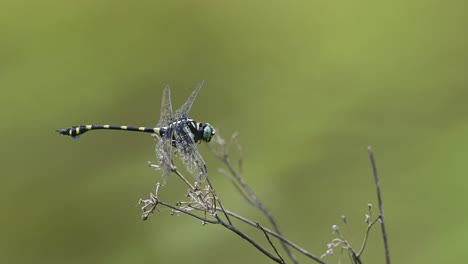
174, 130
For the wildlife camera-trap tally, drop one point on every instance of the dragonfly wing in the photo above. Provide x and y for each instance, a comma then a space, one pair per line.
184, 109
164, 154
189, 154
166, 108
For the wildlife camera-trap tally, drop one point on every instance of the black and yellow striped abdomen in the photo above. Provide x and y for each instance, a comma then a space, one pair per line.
76, 131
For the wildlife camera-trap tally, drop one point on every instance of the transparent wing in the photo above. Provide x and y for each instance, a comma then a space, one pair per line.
164, 154
166, 108
184, 109
188, 153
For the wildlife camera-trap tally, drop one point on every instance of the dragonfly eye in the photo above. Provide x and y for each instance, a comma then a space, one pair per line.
208, 132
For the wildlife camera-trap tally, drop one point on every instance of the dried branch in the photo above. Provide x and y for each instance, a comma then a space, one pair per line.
278, 236
366, 235
204, 204
222, 154
218, 200
379, 198
186, 208
250, 240
236, 186
344, 244
269, 241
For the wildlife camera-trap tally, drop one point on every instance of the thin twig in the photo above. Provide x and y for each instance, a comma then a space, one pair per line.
273, 233
278, 236
177, 172
174, 169
227, 225
379, 198
249, 239
177, 210
218, 200
354, 255
366, 236
259, 205
355, 258
236, 185
271, 242
223, 155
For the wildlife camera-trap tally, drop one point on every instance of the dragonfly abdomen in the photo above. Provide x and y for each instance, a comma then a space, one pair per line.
76, 131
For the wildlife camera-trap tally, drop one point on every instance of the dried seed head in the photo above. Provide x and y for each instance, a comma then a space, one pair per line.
335, 228
368, 218
343, 217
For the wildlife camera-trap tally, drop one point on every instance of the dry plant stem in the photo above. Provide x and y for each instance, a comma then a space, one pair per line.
259, 205
366, 236
174, 169
356, 259
271, 242
254, 224
219, 200
238, 232
379, 198
249, 239
353, 255
278, 236
238, 188
177, 210
227, 225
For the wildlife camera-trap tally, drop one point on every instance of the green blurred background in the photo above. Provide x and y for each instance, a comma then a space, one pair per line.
308, 85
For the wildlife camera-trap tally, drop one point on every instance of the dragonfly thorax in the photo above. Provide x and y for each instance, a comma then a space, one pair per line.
200, 131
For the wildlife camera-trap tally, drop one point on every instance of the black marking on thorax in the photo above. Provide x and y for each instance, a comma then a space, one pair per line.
178, 125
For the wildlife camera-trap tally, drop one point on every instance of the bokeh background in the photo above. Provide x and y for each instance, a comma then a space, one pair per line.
308, 85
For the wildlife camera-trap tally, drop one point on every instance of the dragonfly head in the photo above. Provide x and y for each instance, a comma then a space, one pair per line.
208, 132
